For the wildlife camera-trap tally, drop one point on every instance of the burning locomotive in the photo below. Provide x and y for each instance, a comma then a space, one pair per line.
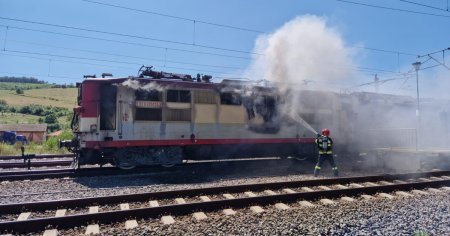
162, 118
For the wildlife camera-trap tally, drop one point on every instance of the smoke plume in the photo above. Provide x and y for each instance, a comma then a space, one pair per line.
136, 85
305, 53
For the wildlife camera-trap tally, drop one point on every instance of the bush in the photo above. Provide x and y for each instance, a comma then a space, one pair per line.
25, 110
19, 91
51, 118
53, 127
65, 135
51, 144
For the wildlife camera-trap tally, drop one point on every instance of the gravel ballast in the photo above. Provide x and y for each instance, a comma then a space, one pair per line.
401, 216
55, 189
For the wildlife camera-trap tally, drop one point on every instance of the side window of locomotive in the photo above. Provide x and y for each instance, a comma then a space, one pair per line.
230, 99
152, 95
148, 114
179, 96
204, 97
148, 105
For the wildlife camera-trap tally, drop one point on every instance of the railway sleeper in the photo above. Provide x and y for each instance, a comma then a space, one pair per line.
255, 203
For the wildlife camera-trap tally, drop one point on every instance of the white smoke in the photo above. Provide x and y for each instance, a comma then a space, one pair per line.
136, 85
305, 53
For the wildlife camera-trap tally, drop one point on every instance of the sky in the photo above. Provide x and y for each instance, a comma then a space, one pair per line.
337, 45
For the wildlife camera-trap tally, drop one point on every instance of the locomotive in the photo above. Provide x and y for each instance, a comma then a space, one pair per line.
160, 118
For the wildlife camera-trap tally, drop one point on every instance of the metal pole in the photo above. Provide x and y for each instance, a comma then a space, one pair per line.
417, 111
417, 65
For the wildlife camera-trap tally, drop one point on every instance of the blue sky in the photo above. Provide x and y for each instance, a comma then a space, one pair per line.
57, 52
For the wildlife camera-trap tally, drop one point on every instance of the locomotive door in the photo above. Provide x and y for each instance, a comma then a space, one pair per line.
108, 97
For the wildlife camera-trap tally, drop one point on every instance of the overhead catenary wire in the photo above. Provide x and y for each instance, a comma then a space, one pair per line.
170, 61
427, 6
123, 42
41, 75
404, 76
393, 9
159, 40
387, 51
128, 35
165, 60
96, 59
66, 61
126, 56
175, 49
431, 53
194, 21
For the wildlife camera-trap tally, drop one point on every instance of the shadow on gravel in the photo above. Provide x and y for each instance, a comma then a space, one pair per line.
212, 172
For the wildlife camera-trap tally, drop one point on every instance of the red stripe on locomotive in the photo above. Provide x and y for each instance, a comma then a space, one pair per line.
187, 142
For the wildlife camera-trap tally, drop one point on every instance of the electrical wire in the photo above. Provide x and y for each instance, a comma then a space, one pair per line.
128, 35
431, 53
393, 9
175, 17
123, 42
388, 51
40, 75
65, 61
102, 60
424, 5
127, 56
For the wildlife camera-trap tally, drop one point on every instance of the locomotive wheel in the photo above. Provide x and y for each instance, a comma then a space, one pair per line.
123, 165
169, 165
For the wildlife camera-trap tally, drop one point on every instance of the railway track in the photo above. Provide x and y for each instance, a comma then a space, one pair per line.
41, 156
288, 166
28, 161
202, 200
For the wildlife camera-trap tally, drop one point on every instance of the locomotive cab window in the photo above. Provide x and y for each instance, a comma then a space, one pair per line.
230, 99
179, 96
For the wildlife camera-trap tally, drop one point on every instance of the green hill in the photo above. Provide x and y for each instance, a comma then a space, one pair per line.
32, 103
56, 97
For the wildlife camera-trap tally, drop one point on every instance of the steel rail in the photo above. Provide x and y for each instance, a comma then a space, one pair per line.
106, 171
140, 197
35, 164
34, 225
39, 156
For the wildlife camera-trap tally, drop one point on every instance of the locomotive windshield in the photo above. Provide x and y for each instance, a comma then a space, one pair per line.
108, 107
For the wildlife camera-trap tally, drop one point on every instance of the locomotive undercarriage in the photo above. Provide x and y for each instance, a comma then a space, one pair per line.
128, 158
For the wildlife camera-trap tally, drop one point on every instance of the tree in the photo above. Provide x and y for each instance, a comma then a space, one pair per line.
19, 91
50, 119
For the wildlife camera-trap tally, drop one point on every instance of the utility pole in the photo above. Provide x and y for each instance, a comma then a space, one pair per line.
417, 65
376, 80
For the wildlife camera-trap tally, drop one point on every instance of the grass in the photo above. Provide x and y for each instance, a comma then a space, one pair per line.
31, 148
50, 146
14, 86
17, 118
57, 97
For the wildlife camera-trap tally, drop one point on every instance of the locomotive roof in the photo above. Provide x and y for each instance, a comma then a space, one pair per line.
176, 83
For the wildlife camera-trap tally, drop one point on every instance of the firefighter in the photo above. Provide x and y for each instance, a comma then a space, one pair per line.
325, 146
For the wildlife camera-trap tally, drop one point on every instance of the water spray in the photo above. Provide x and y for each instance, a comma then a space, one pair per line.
297, 118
